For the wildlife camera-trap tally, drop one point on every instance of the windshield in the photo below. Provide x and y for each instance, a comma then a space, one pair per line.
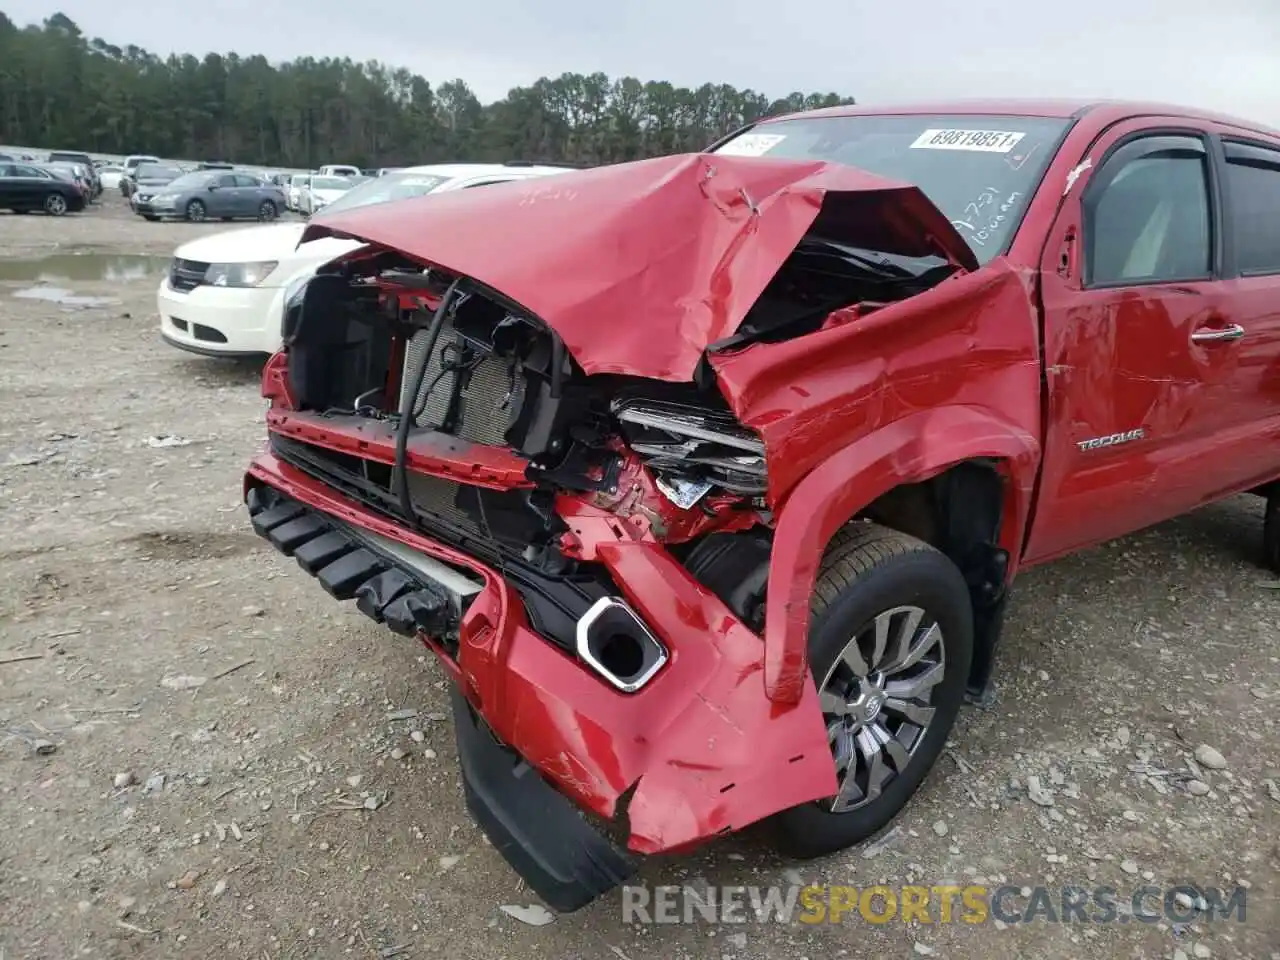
330, 183
201, 178
979, 171
392, 186
151, 171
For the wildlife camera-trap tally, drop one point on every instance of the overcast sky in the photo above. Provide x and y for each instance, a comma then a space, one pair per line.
1222, 54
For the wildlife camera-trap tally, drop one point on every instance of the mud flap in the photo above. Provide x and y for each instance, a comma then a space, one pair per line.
538, 831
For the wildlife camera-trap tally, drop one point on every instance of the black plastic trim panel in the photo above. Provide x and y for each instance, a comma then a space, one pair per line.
554, 601
405, 600
538, 831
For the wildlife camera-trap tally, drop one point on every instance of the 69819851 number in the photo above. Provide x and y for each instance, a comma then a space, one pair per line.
983, 141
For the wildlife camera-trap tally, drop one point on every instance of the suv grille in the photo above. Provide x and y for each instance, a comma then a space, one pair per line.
186, 274
489, 394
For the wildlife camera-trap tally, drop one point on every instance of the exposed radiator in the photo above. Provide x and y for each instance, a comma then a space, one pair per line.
490, 397
439, 497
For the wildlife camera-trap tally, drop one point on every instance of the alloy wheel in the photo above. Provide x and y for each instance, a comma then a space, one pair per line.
877, 702
195, 211
56, 204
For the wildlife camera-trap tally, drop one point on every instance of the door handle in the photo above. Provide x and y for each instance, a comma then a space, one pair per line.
1218, 334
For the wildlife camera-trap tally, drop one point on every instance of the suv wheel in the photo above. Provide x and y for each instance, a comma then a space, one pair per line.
267, 211
889, 645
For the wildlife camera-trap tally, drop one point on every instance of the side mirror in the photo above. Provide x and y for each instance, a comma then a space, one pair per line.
213, 187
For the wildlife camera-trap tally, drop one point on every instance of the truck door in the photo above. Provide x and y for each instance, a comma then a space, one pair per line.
1134, 312
1251, 393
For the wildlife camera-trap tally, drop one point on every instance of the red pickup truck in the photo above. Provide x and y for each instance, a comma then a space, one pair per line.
707, 476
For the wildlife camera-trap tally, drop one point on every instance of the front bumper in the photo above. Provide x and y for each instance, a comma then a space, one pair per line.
220, 321
698, 752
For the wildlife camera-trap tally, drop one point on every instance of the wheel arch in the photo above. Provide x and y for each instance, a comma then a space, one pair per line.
959, 453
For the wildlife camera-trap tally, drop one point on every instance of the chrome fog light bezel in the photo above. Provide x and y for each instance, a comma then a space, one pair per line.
583, 638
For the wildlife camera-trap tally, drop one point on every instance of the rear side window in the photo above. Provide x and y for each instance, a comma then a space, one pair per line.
1147, 214
243, 181
1253, 203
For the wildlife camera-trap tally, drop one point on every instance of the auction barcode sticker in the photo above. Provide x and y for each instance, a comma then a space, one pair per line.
984, 141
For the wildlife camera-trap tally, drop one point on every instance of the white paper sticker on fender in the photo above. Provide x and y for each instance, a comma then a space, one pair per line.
983, 141
751, 145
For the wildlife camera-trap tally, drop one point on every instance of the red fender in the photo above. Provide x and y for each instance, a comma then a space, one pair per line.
908, 450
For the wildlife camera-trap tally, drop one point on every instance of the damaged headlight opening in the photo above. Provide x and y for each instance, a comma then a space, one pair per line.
692, 449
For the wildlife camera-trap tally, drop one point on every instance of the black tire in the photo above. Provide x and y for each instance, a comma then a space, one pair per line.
55, 205
267, 211
869, 570
1271, 533
195, 211
150, 217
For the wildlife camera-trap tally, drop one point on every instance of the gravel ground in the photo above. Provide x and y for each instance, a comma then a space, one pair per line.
176, 817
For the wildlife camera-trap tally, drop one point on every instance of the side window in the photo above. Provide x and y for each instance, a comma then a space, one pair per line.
1147, 214
1253, 206
243, 181
7, 170
34, 173
226, 180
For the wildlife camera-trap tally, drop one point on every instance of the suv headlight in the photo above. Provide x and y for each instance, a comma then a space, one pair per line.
239, 274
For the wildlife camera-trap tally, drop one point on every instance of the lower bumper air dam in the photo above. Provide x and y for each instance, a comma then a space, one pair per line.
673, 747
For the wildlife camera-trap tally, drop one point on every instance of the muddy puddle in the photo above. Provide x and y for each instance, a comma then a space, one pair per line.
81, 268
50, 276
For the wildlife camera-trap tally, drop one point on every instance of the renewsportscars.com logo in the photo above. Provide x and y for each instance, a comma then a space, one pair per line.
940, 903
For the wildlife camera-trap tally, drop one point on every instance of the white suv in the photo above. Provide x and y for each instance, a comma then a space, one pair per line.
224, 292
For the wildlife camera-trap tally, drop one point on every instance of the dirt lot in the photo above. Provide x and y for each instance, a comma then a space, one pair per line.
175, 819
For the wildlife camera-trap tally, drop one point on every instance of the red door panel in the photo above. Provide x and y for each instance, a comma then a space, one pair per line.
1127, 280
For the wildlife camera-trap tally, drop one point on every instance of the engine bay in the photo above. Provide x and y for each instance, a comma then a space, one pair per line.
388, 347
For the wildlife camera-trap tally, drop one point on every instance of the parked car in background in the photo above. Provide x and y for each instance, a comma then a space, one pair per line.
293, 190
147, 181
224, 292
77, 173
338, 170
110, 175
207, 194
383, 171
135, 160
86, 161
215, 165
26, 187
320, 191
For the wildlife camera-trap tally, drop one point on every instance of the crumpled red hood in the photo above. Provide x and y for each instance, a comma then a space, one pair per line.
639, 267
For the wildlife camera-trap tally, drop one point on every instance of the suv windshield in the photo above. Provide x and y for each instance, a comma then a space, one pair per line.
392, 186
979, 171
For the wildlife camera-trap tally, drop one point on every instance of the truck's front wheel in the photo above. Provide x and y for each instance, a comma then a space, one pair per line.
890, 642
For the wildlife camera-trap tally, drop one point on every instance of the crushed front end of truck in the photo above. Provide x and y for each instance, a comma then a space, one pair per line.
498, 428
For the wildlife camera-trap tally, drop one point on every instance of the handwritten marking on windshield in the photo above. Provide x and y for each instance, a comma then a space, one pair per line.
987, 215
